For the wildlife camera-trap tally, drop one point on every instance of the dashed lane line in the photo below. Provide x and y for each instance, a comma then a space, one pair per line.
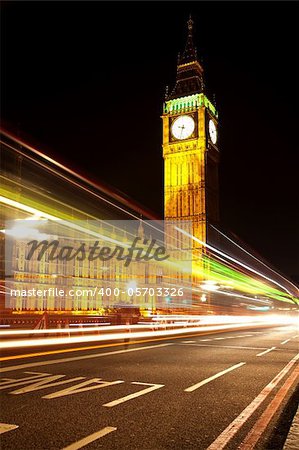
227, 346
227, 337
285, 342
213, 377
152, 387
266, 351
91, 438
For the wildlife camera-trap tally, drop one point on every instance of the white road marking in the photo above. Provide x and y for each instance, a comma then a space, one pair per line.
81, 387
45, 383
234, 337
4, 427
259, 427
91, 438
78, 358
217, 375
188, 342
223, 439
25, 380
205, 340
284, 342
152, 387
219, 339
227, 346
295, 336
266, 351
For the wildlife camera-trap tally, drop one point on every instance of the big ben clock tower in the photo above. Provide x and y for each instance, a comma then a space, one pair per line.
190, 148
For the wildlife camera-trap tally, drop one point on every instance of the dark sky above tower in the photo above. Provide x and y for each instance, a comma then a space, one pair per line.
86, 82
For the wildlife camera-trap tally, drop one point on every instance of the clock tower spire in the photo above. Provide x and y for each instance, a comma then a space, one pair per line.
190, 148
190, 52
189, 78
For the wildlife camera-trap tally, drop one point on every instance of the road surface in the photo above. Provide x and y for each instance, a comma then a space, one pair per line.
196, 392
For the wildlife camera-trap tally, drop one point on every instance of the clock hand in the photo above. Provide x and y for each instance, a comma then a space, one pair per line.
182, 129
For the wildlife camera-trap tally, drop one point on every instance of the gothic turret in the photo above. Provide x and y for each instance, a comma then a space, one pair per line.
189, 78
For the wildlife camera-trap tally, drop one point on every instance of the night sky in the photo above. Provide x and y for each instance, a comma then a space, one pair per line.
86, 82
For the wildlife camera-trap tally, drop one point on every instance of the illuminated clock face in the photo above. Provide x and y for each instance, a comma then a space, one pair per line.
212, 132
183, 127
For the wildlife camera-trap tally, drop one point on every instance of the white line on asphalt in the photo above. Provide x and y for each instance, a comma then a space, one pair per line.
229, 432
227, 346
217, 375
284, 342
295, 336
7, 427
88, 439
78, 358
219, 339
44, 383
6, 380
152, 387
205, 340
83, 387
256, 431
188, 342
24, 380
266, 351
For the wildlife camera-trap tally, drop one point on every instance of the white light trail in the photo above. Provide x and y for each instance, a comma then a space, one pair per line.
21, 343
254, 257
232, 259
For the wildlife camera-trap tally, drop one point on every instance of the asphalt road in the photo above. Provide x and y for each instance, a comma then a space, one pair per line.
170, 394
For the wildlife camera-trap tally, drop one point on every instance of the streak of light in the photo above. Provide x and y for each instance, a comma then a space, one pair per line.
131, 335
90, 329
71, 172
231, 294
183, 318
101, 324
71, 225
225, 275
232, 259
252, 256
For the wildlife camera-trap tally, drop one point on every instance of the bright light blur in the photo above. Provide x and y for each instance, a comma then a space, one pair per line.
210, 285
184, 326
